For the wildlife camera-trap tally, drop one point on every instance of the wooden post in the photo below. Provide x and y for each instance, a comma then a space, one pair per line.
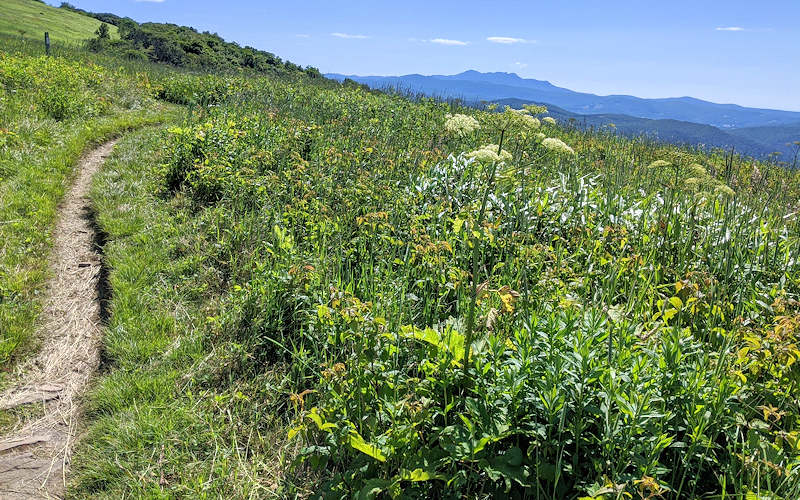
47, 42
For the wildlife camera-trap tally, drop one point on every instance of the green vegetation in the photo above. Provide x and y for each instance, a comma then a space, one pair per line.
320, 289
52, 110
294, 294
185, 47
29, 19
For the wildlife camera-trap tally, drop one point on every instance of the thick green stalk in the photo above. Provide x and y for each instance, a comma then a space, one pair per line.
475, 255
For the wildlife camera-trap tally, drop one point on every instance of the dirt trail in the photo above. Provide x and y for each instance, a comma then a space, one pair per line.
34, 456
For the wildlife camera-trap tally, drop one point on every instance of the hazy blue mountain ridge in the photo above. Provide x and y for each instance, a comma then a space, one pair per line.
475, 86
752, 131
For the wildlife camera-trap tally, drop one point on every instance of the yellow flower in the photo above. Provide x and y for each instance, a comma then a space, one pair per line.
723, 189
535, 109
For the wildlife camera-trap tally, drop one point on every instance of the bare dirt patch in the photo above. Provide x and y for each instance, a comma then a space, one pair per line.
35, 455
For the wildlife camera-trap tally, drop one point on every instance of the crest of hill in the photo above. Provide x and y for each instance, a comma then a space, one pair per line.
172, 44
31, 18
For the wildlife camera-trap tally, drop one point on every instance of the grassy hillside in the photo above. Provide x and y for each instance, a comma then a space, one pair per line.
52, 110
318, 289
30, 19
298, 269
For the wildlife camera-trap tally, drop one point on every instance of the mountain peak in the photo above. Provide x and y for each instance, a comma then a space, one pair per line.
501, 78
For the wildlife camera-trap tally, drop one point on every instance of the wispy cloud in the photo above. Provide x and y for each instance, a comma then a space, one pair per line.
730, 28
447, 41
303, 35
150, 1
520, 65
507, 40
349, 36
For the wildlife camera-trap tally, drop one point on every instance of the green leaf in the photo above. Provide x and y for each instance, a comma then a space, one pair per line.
357, 442
676, 302
372, 488
458, 223
668, 315
418, 475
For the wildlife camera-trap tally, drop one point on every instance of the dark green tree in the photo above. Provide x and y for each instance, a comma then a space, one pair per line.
103, 33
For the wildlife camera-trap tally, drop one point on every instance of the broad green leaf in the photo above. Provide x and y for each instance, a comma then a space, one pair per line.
357, 442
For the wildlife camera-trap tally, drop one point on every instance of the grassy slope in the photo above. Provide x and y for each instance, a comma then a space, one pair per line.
154, 344
34, 18
186, 410
52, 114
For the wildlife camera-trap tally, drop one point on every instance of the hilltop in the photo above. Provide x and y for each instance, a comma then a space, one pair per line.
29, 19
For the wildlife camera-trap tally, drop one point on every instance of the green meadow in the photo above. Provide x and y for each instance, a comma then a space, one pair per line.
322, 290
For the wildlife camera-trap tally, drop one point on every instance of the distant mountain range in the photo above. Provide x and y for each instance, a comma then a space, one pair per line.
752, 131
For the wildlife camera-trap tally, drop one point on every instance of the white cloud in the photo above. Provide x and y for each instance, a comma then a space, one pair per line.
303, 35
521, 65
447, 41
730, 28
349, 36
507, 40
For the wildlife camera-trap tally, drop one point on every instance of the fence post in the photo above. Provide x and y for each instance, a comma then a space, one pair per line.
47, 42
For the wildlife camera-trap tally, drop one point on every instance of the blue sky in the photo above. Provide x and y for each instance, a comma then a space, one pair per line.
737, 51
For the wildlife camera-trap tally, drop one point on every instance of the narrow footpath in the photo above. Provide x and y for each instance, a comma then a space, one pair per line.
35, 456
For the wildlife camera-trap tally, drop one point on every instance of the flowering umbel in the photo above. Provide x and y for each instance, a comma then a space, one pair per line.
488, 154
460, 124
557, 146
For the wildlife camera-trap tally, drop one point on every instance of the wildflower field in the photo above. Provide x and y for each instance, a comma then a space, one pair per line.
317, 290
322, 290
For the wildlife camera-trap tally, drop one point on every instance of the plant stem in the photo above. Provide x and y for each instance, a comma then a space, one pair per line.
475, 255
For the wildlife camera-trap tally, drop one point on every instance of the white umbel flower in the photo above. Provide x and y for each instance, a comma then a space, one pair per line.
488, 154
557, 146
460, 124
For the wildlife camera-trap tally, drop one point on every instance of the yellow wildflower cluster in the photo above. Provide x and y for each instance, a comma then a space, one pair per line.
660, 164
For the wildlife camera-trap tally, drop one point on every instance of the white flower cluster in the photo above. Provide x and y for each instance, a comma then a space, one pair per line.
698, 170
549, 120
557, 146
520, 118
460, 124
488, 154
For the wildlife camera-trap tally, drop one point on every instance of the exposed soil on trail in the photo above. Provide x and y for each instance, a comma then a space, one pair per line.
35, 455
